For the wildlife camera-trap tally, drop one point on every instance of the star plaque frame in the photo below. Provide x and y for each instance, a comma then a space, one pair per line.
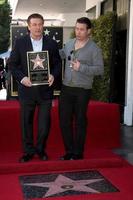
38, 67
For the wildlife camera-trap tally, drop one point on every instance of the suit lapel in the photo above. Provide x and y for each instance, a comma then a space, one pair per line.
28, 43
29, 47
45, 44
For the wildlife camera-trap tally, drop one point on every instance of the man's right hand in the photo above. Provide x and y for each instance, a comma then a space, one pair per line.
26, 81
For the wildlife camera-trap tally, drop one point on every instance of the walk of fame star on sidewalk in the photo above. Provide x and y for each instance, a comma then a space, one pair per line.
69, 183
62, 184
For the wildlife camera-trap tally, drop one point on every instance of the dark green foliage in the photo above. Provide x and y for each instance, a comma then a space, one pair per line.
103, 36
5, 20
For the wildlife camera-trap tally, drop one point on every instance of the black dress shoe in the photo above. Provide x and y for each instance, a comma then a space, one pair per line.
68, 156
26, 158
77, 156
43, 156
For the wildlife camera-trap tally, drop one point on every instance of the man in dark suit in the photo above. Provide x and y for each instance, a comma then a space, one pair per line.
31, 96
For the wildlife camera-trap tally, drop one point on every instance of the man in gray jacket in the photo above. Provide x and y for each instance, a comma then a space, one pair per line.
83, 61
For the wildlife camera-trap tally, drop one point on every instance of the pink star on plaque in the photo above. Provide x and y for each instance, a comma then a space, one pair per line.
38, 62
63, 183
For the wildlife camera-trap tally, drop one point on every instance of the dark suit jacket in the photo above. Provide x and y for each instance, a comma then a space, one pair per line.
19, 68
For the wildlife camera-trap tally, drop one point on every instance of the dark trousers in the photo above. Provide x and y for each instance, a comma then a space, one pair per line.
27, 119
73, 104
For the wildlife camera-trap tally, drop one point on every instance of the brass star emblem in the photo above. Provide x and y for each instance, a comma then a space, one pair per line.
38, 62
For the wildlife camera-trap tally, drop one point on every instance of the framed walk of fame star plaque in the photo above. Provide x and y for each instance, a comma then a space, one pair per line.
38, 67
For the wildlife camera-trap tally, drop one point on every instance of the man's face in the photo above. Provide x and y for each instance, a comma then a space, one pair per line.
81, 31
35, 27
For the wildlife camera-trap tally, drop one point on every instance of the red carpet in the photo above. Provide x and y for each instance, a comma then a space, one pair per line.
103, 126
103, 134
94, 158
122, 178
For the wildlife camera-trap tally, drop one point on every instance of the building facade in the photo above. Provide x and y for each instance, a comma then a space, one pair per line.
121, 88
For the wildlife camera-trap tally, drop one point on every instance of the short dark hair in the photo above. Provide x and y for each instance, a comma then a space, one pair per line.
84, 20
35, 15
